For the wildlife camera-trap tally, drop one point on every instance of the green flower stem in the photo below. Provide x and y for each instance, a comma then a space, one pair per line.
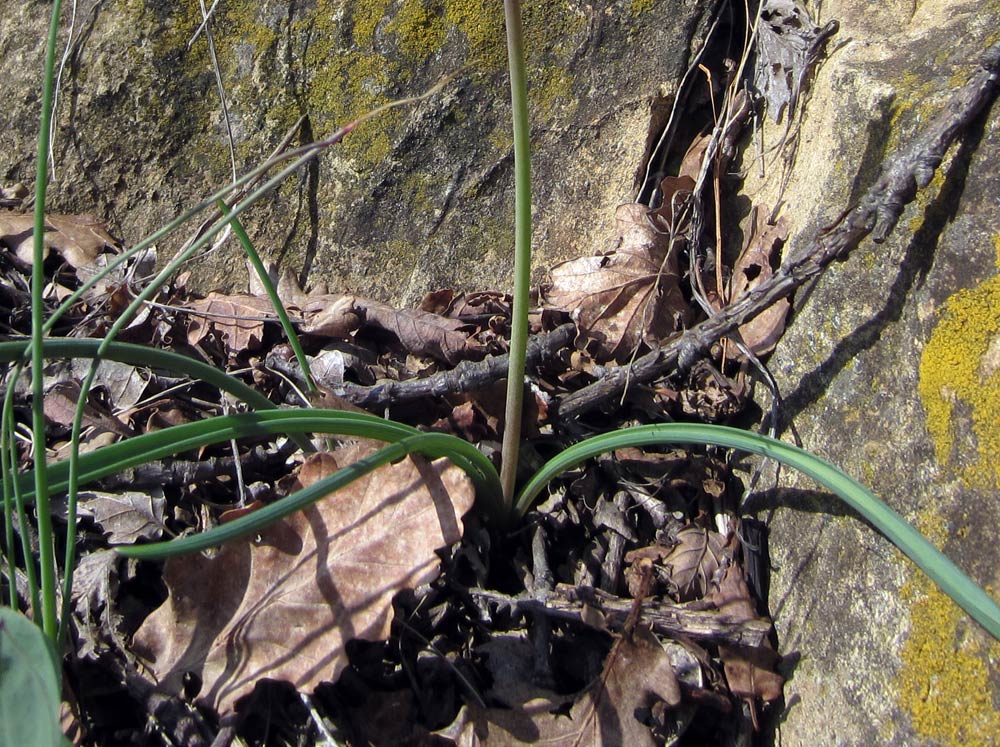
46, 538
522, 250
970, 597
272, 293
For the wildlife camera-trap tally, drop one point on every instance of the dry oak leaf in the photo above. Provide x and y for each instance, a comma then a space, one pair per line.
78, 238
626, 296
638, 675
285, 605
239, 319
126, 517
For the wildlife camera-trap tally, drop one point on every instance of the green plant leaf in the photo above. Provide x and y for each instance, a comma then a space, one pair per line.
953, 582
29, 684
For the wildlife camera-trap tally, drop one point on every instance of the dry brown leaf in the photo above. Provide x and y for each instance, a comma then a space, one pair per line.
693, 561
125, 517
750, 672
692, 161
78, 238
752, 268
422, 333
238, 319
59, 406
628, 295
637, 675
284, 606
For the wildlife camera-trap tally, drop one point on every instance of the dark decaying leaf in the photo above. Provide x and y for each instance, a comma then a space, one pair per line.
750, 672
785, 36
693, 561
60, 404
283, 606
95, 587
638, 678
628, 295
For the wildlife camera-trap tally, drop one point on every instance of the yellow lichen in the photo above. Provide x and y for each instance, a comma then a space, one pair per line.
640, 6
944, 683
482, 23
955, 383
421, 29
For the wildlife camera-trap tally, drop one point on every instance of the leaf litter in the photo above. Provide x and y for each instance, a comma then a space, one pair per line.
284, 605
624, 612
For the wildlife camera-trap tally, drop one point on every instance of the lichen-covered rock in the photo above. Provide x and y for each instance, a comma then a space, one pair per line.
890, 371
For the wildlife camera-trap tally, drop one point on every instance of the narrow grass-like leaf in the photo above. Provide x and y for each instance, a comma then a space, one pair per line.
139, 355
13, 497
952, 580
272, 293
188, 436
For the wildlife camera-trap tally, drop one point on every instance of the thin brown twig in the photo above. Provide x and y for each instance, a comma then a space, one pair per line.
467, 376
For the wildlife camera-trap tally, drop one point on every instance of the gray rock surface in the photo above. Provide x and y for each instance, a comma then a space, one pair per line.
890, 367
889, 370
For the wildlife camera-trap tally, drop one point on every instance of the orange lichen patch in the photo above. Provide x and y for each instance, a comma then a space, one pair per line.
958, 379
945, 680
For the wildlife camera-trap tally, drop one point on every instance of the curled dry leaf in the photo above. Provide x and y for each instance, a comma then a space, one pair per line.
752, 268
79, 239
332, 315
419, 332
285, 605
628, 295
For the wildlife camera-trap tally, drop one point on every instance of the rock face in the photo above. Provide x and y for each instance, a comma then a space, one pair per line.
418, 198
890, 372
890, 369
